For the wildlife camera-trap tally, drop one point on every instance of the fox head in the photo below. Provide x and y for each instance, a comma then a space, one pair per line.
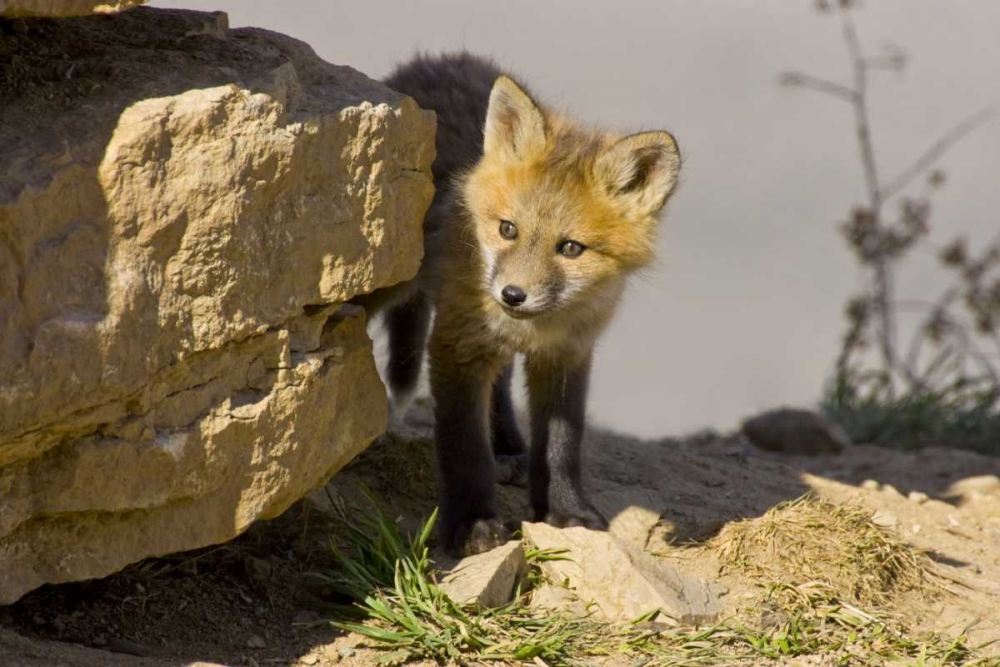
562, 215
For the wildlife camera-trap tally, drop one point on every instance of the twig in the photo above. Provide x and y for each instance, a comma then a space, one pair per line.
819, 85
937, 149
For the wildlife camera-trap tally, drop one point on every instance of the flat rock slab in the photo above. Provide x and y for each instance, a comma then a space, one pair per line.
619, 579
488, 578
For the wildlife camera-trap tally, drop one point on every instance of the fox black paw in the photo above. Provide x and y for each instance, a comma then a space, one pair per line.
511, 470
469, 538
588, 518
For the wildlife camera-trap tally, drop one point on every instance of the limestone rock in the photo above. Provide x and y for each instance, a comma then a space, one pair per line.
60, 8
488, 578
793, 431
182, 210
620, 579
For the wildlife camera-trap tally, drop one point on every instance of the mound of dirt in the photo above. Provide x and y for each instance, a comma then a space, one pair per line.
814, 540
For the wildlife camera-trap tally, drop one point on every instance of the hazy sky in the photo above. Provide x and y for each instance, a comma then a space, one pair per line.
743, 312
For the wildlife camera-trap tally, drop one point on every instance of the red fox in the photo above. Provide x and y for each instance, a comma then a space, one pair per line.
535, 226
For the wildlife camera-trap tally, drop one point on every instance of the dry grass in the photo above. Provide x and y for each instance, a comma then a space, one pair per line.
813, 540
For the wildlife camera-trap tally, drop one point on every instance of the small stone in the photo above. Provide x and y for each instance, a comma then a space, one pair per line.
257, 569
331, 654
256, 641
488, 578
915, 528
347, 652
871, 485
918, 497
795, 431
310, 659
885, 519
889, 489
119, 645
304, 616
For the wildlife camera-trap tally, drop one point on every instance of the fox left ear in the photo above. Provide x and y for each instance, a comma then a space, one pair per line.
641, 169
514, 124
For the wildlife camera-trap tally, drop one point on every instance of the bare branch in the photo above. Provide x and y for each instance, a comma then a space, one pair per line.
883, 278
892, 63
817, 84
937, 149
960, 331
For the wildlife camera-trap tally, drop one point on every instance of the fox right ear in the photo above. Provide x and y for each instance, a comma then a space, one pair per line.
515, 125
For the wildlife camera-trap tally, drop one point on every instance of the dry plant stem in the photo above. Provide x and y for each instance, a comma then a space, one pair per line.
881, 282
882, 279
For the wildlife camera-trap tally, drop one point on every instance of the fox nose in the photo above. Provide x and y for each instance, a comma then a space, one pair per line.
513, 295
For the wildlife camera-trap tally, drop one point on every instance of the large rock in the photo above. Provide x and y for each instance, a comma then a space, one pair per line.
22, 8
182, 209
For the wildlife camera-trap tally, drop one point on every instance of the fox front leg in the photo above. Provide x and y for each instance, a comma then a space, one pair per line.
558, 398
468, 522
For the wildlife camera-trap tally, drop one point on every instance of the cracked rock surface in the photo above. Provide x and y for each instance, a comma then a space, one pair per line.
183, 209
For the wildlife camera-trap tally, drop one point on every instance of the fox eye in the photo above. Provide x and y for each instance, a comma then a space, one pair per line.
571, 249
508, 230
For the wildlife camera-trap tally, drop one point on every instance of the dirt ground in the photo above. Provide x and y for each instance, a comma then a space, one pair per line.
252, 602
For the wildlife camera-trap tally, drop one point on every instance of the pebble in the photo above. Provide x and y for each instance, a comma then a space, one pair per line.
347, 652
891, 490
871, 485
331, 654
310, 659
884, 519
256, 641
915, 528
306, 616
118, 645
919, 497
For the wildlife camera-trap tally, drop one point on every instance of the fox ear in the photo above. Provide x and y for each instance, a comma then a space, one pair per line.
641, 169
514, 123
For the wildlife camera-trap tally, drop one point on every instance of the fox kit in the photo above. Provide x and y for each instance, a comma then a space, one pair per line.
536, 224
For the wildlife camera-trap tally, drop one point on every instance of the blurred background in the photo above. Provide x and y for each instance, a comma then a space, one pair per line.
746, 308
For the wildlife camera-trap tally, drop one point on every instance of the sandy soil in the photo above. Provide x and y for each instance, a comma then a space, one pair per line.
251, 602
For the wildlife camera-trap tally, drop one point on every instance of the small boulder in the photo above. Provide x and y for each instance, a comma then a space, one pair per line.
794, 431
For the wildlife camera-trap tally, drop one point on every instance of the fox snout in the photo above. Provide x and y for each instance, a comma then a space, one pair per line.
523, 298
513, 296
